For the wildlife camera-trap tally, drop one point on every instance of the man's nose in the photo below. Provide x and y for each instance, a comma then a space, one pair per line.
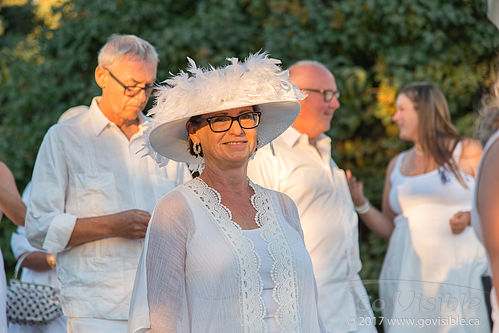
334, 103
142, 96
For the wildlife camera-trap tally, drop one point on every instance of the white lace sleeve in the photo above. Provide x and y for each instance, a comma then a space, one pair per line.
159, 301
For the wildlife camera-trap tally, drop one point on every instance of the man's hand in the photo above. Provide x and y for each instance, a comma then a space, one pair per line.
459, 222
131, 223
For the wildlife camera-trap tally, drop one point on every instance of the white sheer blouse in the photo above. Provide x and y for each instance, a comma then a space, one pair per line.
200, 273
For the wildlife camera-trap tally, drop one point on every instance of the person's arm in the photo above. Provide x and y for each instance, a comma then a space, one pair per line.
36, 260
39, 261
127, 224
380, 222
159, 298
10, 200
488, 208
468, 163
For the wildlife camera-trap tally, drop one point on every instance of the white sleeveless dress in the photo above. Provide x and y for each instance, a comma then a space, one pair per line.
475, 221
431, 278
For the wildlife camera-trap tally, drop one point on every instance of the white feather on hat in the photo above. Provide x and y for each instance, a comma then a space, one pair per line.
256, 81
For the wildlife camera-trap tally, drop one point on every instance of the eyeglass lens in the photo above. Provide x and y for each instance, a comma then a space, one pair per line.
329, 94
131, 91
134, 90
224, 123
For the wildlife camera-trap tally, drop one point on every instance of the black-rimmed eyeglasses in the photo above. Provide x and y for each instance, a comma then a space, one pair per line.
327, 93
246, 120
132, 91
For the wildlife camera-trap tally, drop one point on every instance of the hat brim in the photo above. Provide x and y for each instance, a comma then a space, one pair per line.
170, 139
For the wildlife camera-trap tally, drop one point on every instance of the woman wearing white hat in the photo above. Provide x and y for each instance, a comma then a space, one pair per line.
223, 254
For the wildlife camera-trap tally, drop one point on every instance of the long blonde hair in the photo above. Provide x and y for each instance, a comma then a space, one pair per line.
438, 137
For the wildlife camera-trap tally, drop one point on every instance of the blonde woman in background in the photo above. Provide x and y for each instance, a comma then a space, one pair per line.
431, 275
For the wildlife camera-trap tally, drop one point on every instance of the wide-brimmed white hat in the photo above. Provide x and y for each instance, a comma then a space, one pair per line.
256, 81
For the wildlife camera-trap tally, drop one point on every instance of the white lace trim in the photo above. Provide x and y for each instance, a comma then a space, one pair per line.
251, 284
283, 271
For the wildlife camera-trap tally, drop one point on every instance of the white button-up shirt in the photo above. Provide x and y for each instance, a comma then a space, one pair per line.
87, 167
330, 224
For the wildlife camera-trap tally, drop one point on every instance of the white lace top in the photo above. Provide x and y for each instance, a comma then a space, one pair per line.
265, 270
199, 272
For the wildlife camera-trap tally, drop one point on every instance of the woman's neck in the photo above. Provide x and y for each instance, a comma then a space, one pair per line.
233, 186
418, 148
418, 161
232, 179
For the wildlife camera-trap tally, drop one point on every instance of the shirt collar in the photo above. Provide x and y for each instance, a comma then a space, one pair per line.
292, 137
101, 122
324, 143
144, 123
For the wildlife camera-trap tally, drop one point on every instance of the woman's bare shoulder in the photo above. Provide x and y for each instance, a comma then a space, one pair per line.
471, 151
470, 156
471, 148
392, 163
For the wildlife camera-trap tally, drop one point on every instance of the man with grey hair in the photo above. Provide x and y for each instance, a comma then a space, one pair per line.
299, 164
92, 194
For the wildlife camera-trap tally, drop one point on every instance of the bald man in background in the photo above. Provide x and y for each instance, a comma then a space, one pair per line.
299, 164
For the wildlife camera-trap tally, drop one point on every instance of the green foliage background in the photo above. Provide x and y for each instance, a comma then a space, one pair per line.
372, 46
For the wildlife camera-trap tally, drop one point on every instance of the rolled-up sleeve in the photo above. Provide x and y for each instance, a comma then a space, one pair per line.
48, 227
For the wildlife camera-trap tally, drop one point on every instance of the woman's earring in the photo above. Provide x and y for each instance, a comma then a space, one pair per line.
196, 147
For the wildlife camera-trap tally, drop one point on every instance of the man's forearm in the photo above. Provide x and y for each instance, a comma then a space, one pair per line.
88, 229
131, 224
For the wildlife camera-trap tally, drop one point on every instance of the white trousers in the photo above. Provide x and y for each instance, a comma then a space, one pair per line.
92, 325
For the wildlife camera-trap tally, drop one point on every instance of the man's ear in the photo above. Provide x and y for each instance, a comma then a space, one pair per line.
100, 77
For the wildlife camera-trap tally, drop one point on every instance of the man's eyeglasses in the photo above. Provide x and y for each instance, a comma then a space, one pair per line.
132, 91
246, 120
327, 93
